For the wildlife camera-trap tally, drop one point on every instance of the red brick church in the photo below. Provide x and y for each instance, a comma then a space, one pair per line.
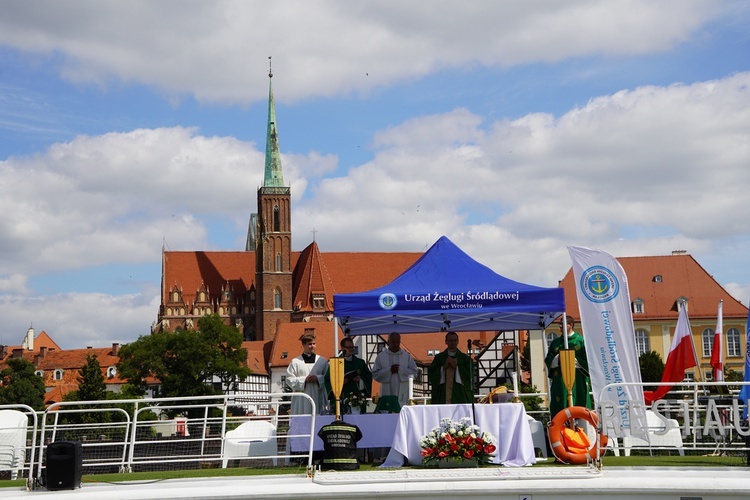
270, 292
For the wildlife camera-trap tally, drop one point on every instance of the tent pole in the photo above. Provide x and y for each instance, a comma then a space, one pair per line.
335, 336
471, 371
544, 364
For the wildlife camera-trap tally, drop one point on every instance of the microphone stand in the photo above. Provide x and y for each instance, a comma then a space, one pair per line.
471, 382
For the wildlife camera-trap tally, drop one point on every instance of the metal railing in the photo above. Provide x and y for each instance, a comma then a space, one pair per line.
161, 434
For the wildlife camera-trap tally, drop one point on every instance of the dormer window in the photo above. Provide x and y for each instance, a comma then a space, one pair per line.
111, 371
58, 374
682, 303
638, 306
39, 373
657, 278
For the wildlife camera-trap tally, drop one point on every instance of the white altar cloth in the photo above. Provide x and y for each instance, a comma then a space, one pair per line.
506, 422
377, 430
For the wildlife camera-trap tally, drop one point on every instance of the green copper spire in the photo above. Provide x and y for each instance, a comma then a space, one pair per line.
273, 176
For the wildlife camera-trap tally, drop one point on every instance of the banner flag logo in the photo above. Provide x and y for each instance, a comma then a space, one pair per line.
607, 323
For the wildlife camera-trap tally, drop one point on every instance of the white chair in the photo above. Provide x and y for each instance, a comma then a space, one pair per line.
660, 434
256, 438
537, 435
13, 428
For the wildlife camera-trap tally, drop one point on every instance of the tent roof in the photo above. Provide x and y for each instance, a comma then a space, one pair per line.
448, 290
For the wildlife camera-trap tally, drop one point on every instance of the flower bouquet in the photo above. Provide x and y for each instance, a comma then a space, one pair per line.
356, 400
457, 441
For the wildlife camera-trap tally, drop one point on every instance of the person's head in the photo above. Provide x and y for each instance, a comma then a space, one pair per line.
451, 340
347, 345
570, 321
308, 343
394, 342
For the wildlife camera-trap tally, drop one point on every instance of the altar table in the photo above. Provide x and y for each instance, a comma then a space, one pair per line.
507, 422
377, 430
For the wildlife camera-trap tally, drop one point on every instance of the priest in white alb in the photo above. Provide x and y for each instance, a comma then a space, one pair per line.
393, 368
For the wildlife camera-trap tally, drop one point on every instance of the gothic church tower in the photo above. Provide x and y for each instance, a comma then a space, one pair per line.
273, 240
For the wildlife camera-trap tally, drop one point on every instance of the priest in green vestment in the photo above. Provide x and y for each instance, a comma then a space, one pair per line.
357, 375
558, 393
450, 374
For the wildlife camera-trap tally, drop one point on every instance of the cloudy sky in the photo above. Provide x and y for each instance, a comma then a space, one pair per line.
513, 128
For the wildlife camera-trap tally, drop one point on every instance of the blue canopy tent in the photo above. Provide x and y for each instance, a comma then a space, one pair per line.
448, 290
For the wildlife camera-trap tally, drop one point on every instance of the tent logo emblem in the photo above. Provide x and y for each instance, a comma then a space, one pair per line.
599, 284
387, 301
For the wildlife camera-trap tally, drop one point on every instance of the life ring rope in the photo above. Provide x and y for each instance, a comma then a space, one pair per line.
555, 433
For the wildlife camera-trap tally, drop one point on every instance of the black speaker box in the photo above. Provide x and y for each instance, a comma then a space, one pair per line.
64, 465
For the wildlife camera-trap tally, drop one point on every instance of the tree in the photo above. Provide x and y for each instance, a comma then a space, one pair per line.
91, 387
652, 367
186, 362
19, 384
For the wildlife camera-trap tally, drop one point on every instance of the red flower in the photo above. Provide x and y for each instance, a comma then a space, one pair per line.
468, 454
480, 440
443, 454
425, 452
454, 446
489, 448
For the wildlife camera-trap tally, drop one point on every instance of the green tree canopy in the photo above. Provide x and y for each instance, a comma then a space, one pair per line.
19, 384
186, 362
652, 367
91, 386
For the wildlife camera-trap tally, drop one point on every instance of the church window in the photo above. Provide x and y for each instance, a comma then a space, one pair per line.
276, 219
318, 301
277, 299
175, 297
278, 262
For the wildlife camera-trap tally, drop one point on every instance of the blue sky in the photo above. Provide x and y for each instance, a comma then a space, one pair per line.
515, 129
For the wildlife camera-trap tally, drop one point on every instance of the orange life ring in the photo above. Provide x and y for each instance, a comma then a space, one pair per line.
571, 454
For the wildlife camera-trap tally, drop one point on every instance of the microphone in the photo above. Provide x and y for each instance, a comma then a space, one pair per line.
468, 346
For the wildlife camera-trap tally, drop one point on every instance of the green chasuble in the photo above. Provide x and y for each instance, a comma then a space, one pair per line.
352, 365
461, 391
558, 394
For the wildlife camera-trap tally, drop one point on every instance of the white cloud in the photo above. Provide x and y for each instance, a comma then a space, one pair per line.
215, 50
639, 172
77, 320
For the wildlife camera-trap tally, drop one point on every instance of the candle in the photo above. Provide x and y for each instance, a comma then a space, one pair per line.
515, 383
411, 387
